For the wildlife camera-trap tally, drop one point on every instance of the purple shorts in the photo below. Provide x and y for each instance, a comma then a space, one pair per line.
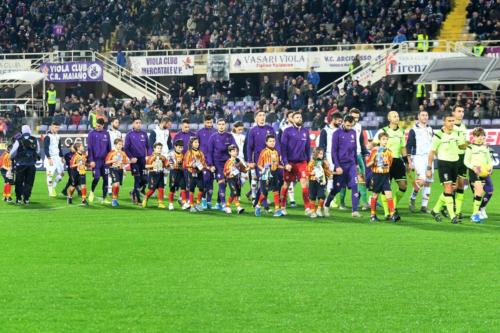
219, 170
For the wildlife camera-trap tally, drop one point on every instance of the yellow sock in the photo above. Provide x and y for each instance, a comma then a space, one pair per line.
439, 204
448, 199
385, 205
459, 200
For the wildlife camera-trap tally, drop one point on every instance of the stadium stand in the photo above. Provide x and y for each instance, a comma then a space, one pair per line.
36, 26
484, 19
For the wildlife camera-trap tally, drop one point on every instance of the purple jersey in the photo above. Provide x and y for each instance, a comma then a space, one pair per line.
99, 145
344, 147
204, 135
218, 144
185, 137
137, 144
295, 145
256, 141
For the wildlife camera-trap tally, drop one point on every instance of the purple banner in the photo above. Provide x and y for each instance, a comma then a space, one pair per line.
73, 71
493, 52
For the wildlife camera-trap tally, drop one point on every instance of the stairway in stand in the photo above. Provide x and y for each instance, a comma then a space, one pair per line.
455, 26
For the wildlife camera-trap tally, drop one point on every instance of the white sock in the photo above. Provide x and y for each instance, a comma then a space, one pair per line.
49, 183
57, 180
426, 192
253, 186
110, 186
291, 192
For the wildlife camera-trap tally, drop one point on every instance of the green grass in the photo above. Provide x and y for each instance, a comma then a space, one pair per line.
97, 269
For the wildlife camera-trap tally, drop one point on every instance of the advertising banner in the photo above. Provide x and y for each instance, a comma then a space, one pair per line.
14, 65
269, 62
415, 62
162, 65
73, 71
332, 61
218, 67
493, 52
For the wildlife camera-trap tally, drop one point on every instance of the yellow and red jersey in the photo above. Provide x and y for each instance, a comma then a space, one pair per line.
117, 159
271, 157
381, 159
5, 161
231, 165
313, 166
177, 160
78, 162
194, 160
156, 162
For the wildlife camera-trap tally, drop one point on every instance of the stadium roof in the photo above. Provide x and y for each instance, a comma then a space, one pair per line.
463, 70
24, 77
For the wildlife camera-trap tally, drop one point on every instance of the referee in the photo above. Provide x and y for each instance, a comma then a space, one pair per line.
446, 144
24, 154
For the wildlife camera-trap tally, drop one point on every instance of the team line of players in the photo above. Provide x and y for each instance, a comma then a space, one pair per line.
274, 163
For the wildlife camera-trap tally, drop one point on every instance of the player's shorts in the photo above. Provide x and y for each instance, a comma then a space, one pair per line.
7, 180
272, 184
380, 182
447, 171
138, 169
348, 178
177, 180
57, 166
299, 171
234, 186
420, 163
473, 177
316, 190
398, 169
195, 180
219, 170
79, 180
100, 170
461, 168
116, 175
156, 180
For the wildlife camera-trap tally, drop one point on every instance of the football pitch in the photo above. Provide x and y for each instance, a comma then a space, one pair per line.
97, 269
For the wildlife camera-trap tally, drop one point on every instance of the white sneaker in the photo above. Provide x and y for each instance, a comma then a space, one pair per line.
356, 214
284, 212
319, 213
326, 211
313, 215
186, 206
482, 214
228, 210
308, 211
193, 210
171, 206
240, 210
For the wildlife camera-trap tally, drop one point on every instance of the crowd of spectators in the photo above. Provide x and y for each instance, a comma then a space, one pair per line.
227, 100
33, 26
484, 19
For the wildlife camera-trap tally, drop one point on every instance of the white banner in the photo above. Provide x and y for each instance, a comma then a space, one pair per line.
162, 65
14, 65
339, 61
414, 63
269, 62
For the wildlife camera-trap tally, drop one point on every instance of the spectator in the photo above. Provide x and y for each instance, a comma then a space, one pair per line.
313, 78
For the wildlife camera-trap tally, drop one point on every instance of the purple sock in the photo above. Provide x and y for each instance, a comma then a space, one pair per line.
355, 199
485, 200
221, 195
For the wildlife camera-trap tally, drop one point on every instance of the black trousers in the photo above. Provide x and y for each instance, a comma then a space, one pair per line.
25, 177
